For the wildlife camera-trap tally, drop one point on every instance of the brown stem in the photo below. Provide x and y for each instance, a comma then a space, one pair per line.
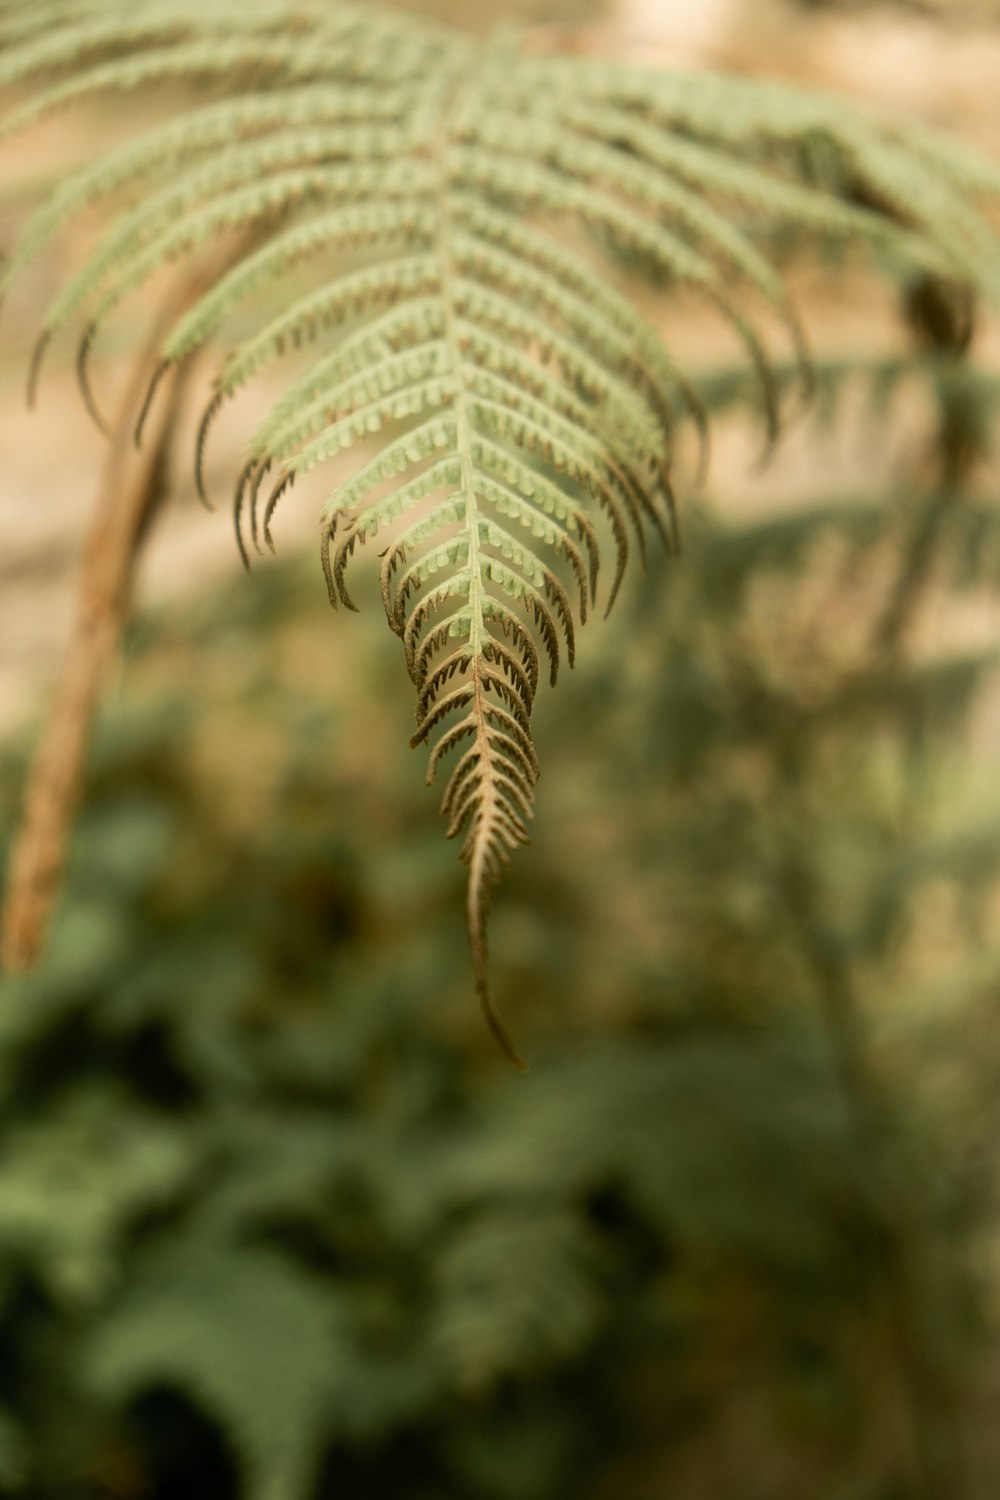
132, 487
958, 446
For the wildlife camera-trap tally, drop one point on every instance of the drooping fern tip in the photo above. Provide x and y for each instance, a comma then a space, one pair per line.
516, 410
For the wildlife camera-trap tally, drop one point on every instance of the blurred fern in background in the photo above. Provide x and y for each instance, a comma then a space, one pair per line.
271, 1223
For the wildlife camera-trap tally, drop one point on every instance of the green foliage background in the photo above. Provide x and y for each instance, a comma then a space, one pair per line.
276, 1223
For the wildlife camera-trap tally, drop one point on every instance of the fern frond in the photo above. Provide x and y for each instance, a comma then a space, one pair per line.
515, 1290
218, 42
313, 313
161, 230
660, 196
597, 315
775, 203
207, 61
210, 128
522, 407
265, 1349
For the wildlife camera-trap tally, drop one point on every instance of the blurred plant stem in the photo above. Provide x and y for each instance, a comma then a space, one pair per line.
132, 488
916, 1280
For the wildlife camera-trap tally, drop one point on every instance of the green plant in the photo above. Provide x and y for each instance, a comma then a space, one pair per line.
271, 1223
493, 200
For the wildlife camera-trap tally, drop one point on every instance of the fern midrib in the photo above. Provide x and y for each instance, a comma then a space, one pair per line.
449, 275
482, 834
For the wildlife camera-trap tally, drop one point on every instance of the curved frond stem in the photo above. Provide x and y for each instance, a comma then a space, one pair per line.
35, 367
201, 444
239, 498
158, 375
83, 352
284, 483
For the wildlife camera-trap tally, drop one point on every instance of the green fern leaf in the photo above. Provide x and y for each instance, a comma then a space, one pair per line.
256, 1343
524, 409
516, 1292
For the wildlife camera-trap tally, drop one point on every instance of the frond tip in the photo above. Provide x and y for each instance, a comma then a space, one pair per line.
519, 411
489, 795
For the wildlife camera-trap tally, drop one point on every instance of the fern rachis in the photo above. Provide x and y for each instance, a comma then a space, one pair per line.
525, 408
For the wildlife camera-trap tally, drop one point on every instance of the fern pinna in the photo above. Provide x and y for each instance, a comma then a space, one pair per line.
522, 406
